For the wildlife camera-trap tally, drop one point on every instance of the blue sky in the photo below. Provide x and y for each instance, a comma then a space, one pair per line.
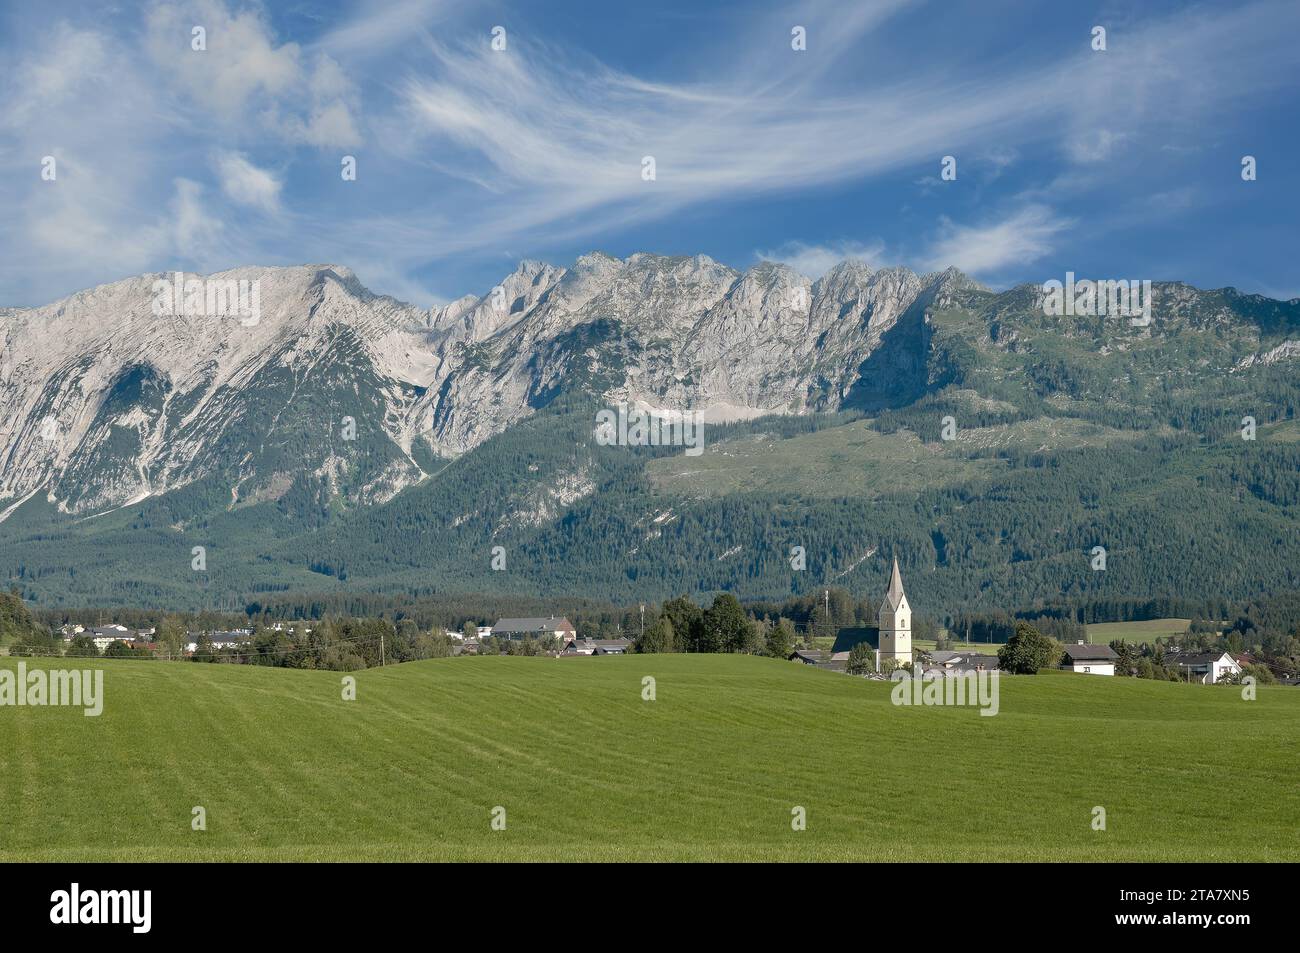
1117, 164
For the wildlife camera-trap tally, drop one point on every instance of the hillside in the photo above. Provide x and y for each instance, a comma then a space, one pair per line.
588, 770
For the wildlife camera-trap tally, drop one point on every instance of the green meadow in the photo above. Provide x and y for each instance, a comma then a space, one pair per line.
1103, 633
286, 769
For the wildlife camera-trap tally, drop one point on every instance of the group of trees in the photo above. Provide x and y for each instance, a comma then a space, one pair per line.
20, 631
681, 625
999, 627
337, 644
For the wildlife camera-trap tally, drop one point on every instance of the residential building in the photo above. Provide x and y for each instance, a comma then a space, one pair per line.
834, 661
963, 661
105, 635
1204, 667
597, 647
1090, 659
560, 628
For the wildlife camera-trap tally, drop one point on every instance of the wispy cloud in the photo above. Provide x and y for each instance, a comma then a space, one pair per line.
815, 260
378, 25
1024, 236
556, 145
553, 144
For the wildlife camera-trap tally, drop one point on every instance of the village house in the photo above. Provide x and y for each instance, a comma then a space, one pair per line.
560, 628
1090, 659
105, 635
220, 640
962, 662
597, 647
288, 627
834, 661
1204, 667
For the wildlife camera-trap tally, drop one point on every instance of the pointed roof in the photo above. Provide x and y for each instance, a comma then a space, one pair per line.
894, 594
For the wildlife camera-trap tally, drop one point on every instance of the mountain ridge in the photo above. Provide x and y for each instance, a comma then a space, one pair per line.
349, 439
103, 349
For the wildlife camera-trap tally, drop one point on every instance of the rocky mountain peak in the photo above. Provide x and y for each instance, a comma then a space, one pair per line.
104, 400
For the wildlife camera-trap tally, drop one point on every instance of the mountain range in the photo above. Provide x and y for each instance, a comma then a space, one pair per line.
346, 441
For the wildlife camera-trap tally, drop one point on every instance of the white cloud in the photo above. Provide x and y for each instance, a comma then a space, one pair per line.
814, 261
125, 112
190, 229
246, 184
378, 25
240, 61
244, 81
1026, 235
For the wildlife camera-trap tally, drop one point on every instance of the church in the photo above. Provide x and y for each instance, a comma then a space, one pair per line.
895, 621
892, 634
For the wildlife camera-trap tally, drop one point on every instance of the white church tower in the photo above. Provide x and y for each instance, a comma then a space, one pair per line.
895, 622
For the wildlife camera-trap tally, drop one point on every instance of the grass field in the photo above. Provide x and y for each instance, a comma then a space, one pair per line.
1102, 633
587, 770
984, 648
854, 460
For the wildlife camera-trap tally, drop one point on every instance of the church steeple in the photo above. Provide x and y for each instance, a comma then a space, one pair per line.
894, 594
895, 616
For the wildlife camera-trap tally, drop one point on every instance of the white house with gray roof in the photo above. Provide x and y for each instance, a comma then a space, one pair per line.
1090, 659
1204, 667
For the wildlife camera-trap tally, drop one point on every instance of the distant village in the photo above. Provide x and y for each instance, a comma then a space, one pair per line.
866, 651
549, 636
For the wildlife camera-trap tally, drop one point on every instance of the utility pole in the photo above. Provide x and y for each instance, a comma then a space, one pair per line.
381, 649
643, 622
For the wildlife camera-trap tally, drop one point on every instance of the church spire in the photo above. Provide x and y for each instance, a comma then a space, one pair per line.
894, 594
